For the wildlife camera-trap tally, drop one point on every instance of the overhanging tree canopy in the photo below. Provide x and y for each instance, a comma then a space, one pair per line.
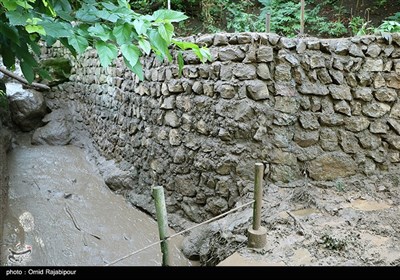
110, 26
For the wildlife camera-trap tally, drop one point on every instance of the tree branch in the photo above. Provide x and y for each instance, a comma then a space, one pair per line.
36, 86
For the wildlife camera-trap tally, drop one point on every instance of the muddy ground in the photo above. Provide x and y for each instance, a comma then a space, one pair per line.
61, 213
348, 222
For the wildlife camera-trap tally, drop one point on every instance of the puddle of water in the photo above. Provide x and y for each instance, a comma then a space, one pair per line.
304, 212
365, 205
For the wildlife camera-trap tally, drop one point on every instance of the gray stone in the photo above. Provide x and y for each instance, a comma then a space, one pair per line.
56, 132
394, 141
306, 138
373, 50
245, 71
341, 92
379, 81
257, 90
356, 51
331, 166
375, 109
331, 119
114, 177
373, 65
301, 47
313, 45
171, 119
393, 80
308, 153
342, 47
279, 157
337, 76
263, 71
313, 88
197, 87
378, 155
175, 87
168, 103
368, 140
363, 93
283, 72
202, 127
309, 120
378, 126
265, 54
357, 124
348, 142
287, 43
364, 78
386, 95
284, 173
286, 104
186, 184
283, 119
217, 205
227, 91
175, 137
231, 53
220, 39
394, 124
260, 133
356, 108
317, 61
343, 107
328, 139
324, 76
27, 108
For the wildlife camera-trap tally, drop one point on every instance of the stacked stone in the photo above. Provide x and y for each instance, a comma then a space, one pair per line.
306, 107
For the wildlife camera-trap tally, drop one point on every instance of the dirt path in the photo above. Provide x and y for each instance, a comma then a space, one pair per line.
62, 214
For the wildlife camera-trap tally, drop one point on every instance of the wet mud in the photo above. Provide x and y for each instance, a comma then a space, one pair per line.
61, 213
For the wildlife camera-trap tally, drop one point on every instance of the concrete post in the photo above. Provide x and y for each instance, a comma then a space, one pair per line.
257, 235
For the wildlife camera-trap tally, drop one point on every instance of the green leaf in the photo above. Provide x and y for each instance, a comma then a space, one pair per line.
87, 13
57, 29
180, 63
35, 29
66, 44
27, 70
10, 5
8, 56
137, 69
10, 32
17, 18
145, 46
185, 45
107, 52
100, 31
122, 33
169, 15
79, 43
141, 26
106, 15
166, 31
131, 53
160, 45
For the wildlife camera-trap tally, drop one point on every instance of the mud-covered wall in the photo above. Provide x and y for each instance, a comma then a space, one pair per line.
306, 107
5, 140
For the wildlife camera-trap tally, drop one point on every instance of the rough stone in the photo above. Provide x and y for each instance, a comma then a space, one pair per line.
340, 92
263, 71
286, 104
257, 90
309, 120
348, 142
231, 53
373, 50
306, 138
378, 126
56, 132
363, 93
245, 71
343, 107
171, 119
27, 107
373, 65
385, 95
331, 166
313, 88
375, 109
368, 140
357, 124
328, 140
265, 54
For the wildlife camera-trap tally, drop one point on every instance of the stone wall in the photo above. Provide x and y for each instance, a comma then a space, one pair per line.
306, 107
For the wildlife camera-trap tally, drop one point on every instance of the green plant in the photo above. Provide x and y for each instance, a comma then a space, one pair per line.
333, 243
110, 26
395, 17
389, 26
359, 26
380, 3
3, 100
340, 186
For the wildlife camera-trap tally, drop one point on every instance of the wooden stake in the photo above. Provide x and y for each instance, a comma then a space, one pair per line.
302, 11
162, 221
268, 23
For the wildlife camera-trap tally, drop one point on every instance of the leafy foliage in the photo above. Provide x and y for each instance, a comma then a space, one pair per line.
111, 27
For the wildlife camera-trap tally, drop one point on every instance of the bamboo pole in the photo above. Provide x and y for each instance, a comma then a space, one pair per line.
162, 221
302, 11
257, 235
268, 22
